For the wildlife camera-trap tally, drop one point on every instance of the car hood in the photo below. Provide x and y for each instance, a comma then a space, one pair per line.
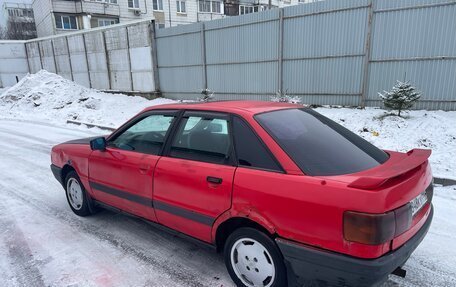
81, 141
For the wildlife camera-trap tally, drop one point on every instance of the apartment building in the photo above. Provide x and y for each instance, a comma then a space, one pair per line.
62, 16
57, 16
17, 21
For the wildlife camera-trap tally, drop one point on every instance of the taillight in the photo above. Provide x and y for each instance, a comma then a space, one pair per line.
372, 229
375, 229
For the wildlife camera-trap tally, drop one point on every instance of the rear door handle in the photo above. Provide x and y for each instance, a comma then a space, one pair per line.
212, 179
144, 168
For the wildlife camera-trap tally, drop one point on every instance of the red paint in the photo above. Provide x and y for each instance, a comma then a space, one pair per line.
306, 209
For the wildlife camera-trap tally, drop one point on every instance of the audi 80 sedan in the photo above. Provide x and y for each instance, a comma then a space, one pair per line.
287, 195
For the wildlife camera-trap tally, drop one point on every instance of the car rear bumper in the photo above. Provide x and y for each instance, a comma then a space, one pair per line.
57, 171
308, 265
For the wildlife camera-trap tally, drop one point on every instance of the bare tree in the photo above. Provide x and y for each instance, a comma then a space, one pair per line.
18, 29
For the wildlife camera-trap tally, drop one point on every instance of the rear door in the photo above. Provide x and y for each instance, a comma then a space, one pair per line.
121, 175
194, 179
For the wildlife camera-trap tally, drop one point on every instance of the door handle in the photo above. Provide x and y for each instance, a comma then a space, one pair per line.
212, 179
144, 168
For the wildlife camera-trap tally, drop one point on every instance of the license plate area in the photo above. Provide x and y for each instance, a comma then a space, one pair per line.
418, 202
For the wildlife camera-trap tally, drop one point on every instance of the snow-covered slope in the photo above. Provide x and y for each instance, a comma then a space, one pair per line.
47, 96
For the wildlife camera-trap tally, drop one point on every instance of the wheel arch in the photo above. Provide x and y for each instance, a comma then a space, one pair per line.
228, 226
65, 170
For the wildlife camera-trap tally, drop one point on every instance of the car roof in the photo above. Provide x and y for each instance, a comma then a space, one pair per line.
251, 107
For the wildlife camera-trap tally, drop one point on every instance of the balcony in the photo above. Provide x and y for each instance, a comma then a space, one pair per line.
86, 7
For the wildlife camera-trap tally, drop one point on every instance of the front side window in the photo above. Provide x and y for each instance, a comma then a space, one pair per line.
250, 151
158, 5
202, 139
134, 4
66, 22
318, 145
180, 6
146, 136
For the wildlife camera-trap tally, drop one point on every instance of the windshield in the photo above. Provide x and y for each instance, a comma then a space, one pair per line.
318, 145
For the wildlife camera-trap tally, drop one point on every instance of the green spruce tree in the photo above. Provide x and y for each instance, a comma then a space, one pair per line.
402, 97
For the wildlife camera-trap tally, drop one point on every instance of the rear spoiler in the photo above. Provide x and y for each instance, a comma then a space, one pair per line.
387, 171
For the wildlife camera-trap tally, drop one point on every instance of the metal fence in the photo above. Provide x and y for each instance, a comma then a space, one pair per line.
116, 58
328, 52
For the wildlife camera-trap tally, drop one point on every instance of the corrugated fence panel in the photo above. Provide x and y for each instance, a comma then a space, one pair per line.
180, 62
242, 53
416, 45
323, 42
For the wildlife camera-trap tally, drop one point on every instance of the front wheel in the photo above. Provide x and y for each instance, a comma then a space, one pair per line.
253, 259
76, 195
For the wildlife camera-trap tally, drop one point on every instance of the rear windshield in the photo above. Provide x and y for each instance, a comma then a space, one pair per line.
318, 145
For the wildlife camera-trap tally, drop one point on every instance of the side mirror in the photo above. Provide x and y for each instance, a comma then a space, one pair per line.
98, 144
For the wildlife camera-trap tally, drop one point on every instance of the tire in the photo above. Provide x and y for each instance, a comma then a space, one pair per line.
253, 259
76, 195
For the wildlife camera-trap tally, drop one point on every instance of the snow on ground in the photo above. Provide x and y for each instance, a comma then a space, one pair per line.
434, 130
47, 96
42, 243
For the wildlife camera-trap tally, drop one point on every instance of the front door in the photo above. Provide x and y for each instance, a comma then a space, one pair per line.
194, 179
122, 175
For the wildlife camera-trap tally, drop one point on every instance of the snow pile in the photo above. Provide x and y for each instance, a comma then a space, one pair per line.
47, 96
434, 130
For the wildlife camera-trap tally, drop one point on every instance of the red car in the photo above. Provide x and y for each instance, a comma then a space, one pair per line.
289, 196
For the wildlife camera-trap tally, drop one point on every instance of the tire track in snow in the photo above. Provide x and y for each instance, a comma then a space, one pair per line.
69, 219
25, 268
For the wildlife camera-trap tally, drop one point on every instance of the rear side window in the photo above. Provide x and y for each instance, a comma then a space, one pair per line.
202, 139
318, 145
250, 151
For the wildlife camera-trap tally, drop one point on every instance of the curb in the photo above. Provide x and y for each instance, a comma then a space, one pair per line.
444, 181
90, 125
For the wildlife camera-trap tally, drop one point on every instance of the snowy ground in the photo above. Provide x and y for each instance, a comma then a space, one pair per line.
42, 243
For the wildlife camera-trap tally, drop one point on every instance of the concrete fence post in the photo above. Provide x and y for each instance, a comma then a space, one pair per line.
129, 60
153, 51
108, 68
53, 57
86, 53
69, 58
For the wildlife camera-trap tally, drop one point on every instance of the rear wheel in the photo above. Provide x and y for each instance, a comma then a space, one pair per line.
76, 195
253, 259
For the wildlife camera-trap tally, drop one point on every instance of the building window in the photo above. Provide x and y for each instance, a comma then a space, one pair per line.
243, 9
106, 22
66, 22
133, 4
159, 25
106, 1
180, 6
158, 5
210, 6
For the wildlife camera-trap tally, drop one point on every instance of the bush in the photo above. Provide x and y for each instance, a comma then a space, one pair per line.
402, 97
